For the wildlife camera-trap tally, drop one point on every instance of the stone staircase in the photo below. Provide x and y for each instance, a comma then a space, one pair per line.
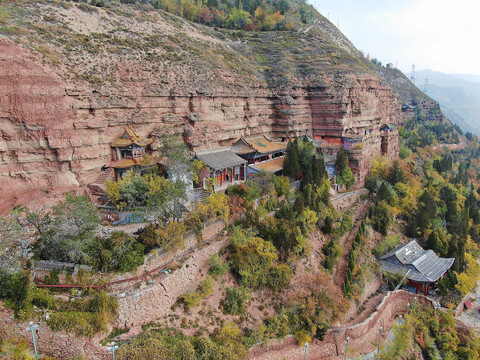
98, 186
199, 195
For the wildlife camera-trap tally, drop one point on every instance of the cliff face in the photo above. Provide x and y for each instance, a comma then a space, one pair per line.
67, 96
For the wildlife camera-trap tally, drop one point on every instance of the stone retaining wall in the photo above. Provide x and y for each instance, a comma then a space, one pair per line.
56, 343
363, 336
153, 301
149, 301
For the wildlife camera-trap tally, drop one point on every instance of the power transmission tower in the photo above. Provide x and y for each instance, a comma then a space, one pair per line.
412, 76
425, 86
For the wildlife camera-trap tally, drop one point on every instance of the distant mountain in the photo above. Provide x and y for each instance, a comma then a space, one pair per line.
458, 95
468, 77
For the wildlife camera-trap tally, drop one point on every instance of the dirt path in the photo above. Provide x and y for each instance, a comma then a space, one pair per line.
363, 336
346, 243
370, 306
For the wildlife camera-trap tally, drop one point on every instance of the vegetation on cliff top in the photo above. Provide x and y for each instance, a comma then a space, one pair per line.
259, 15
138, 33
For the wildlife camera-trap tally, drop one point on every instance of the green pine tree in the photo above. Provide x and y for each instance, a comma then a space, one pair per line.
291, 166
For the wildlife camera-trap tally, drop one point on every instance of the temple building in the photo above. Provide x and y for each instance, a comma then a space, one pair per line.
258, 149
421, 268
261, 154
224, 166
389, 135
132, 153
274, 166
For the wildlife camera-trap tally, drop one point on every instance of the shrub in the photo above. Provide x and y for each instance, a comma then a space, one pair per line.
346, 224
386, 245
302, 337
235, 302
80, 322
204, 290
119, 251
85, 318
252, 258
43, 299
279, 276
282, 185
217, 267
168, 237
328, 263
192, 299
328, 226
206, 287
16, 290
278, 326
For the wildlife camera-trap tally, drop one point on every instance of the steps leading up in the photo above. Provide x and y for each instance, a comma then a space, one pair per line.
98, 186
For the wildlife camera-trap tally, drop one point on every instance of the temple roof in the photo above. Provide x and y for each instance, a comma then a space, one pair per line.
262, 145
332, 143
143, 161
241, 147
273, 165
390, 126
130, 137
423, 265
330, 159
219, 159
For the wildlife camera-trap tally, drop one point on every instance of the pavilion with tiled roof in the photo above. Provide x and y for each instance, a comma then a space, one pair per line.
421, 267
131, 153
225, 166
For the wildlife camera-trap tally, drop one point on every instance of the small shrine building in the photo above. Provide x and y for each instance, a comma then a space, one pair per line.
132, 153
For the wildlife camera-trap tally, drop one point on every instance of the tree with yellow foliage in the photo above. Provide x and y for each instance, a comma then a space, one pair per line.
468, 280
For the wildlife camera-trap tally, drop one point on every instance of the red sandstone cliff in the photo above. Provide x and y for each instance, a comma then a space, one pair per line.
60, 107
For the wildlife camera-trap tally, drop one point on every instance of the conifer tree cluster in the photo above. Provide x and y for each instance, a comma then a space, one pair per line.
343, 173
352, 255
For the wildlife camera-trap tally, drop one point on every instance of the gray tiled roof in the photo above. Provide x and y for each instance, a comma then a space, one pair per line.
219, 158
329, 159
424, 265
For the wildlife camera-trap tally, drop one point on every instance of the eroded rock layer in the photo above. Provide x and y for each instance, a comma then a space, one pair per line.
60, 109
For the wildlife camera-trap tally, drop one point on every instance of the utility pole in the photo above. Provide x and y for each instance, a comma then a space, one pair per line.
346, 348
305, 348
425, 86
112, 348
31, 328
412, 75
379, 339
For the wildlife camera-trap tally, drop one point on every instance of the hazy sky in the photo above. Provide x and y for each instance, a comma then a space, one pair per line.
441, 35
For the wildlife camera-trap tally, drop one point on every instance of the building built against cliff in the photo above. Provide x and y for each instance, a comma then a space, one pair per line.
224, 166
132, 153
261, 154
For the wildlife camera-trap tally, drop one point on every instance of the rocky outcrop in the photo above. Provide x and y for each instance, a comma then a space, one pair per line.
59, 111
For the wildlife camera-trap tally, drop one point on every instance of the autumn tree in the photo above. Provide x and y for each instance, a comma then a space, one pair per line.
252, 258
238, 19
168, 237
70, 232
